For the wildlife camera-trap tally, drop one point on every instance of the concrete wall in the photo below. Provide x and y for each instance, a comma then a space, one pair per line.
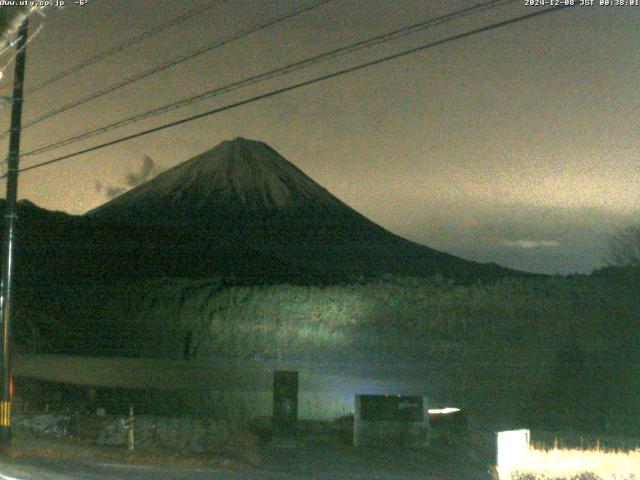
494, 391
241, 386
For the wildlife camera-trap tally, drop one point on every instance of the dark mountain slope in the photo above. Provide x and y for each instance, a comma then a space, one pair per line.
238, 177
244, 192
56, 247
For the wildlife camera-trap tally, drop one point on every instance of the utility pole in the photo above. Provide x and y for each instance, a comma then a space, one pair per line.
7, 247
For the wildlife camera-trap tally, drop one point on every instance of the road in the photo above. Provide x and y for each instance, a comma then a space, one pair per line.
66, 470
306, 463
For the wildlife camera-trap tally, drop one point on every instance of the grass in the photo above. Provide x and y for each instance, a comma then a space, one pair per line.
576, 464
156, 317
240, 450
536, 343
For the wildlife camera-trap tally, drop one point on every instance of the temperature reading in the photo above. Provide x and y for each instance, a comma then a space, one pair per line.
82, 3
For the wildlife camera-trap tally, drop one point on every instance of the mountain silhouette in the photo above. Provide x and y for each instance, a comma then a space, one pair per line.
239, 214
243, 192
236, 177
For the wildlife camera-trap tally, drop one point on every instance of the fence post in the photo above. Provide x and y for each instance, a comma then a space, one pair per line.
131, 437
127, 424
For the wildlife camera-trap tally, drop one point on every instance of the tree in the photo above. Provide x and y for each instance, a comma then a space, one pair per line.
623, 249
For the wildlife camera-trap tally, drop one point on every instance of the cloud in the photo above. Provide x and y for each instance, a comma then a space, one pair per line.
109, 191
530, 243
112, 192
148, 169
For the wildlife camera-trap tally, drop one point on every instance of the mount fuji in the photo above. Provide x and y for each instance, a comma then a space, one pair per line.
243, 192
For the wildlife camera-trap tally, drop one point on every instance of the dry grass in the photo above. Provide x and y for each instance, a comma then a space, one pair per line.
28, 445
575, 464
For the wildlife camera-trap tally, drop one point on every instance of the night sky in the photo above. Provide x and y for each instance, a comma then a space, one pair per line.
517, 146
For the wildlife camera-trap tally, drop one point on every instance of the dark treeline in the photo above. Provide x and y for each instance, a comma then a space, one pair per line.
585, 327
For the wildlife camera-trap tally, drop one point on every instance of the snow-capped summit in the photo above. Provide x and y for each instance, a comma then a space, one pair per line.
237, 175
242, 192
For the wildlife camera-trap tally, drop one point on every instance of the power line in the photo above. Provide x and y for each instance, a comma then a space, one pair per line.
172, 63
124, 45
367, 43
296, 86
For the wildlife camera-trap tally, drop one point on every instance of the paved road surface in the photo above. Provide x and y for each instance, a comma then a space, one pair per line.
111, 471
307, 463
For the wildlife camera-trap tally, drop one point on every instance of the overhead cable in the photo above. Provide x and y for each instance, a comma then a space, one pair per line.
299, 85
124, 45
171, 63
278, 72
